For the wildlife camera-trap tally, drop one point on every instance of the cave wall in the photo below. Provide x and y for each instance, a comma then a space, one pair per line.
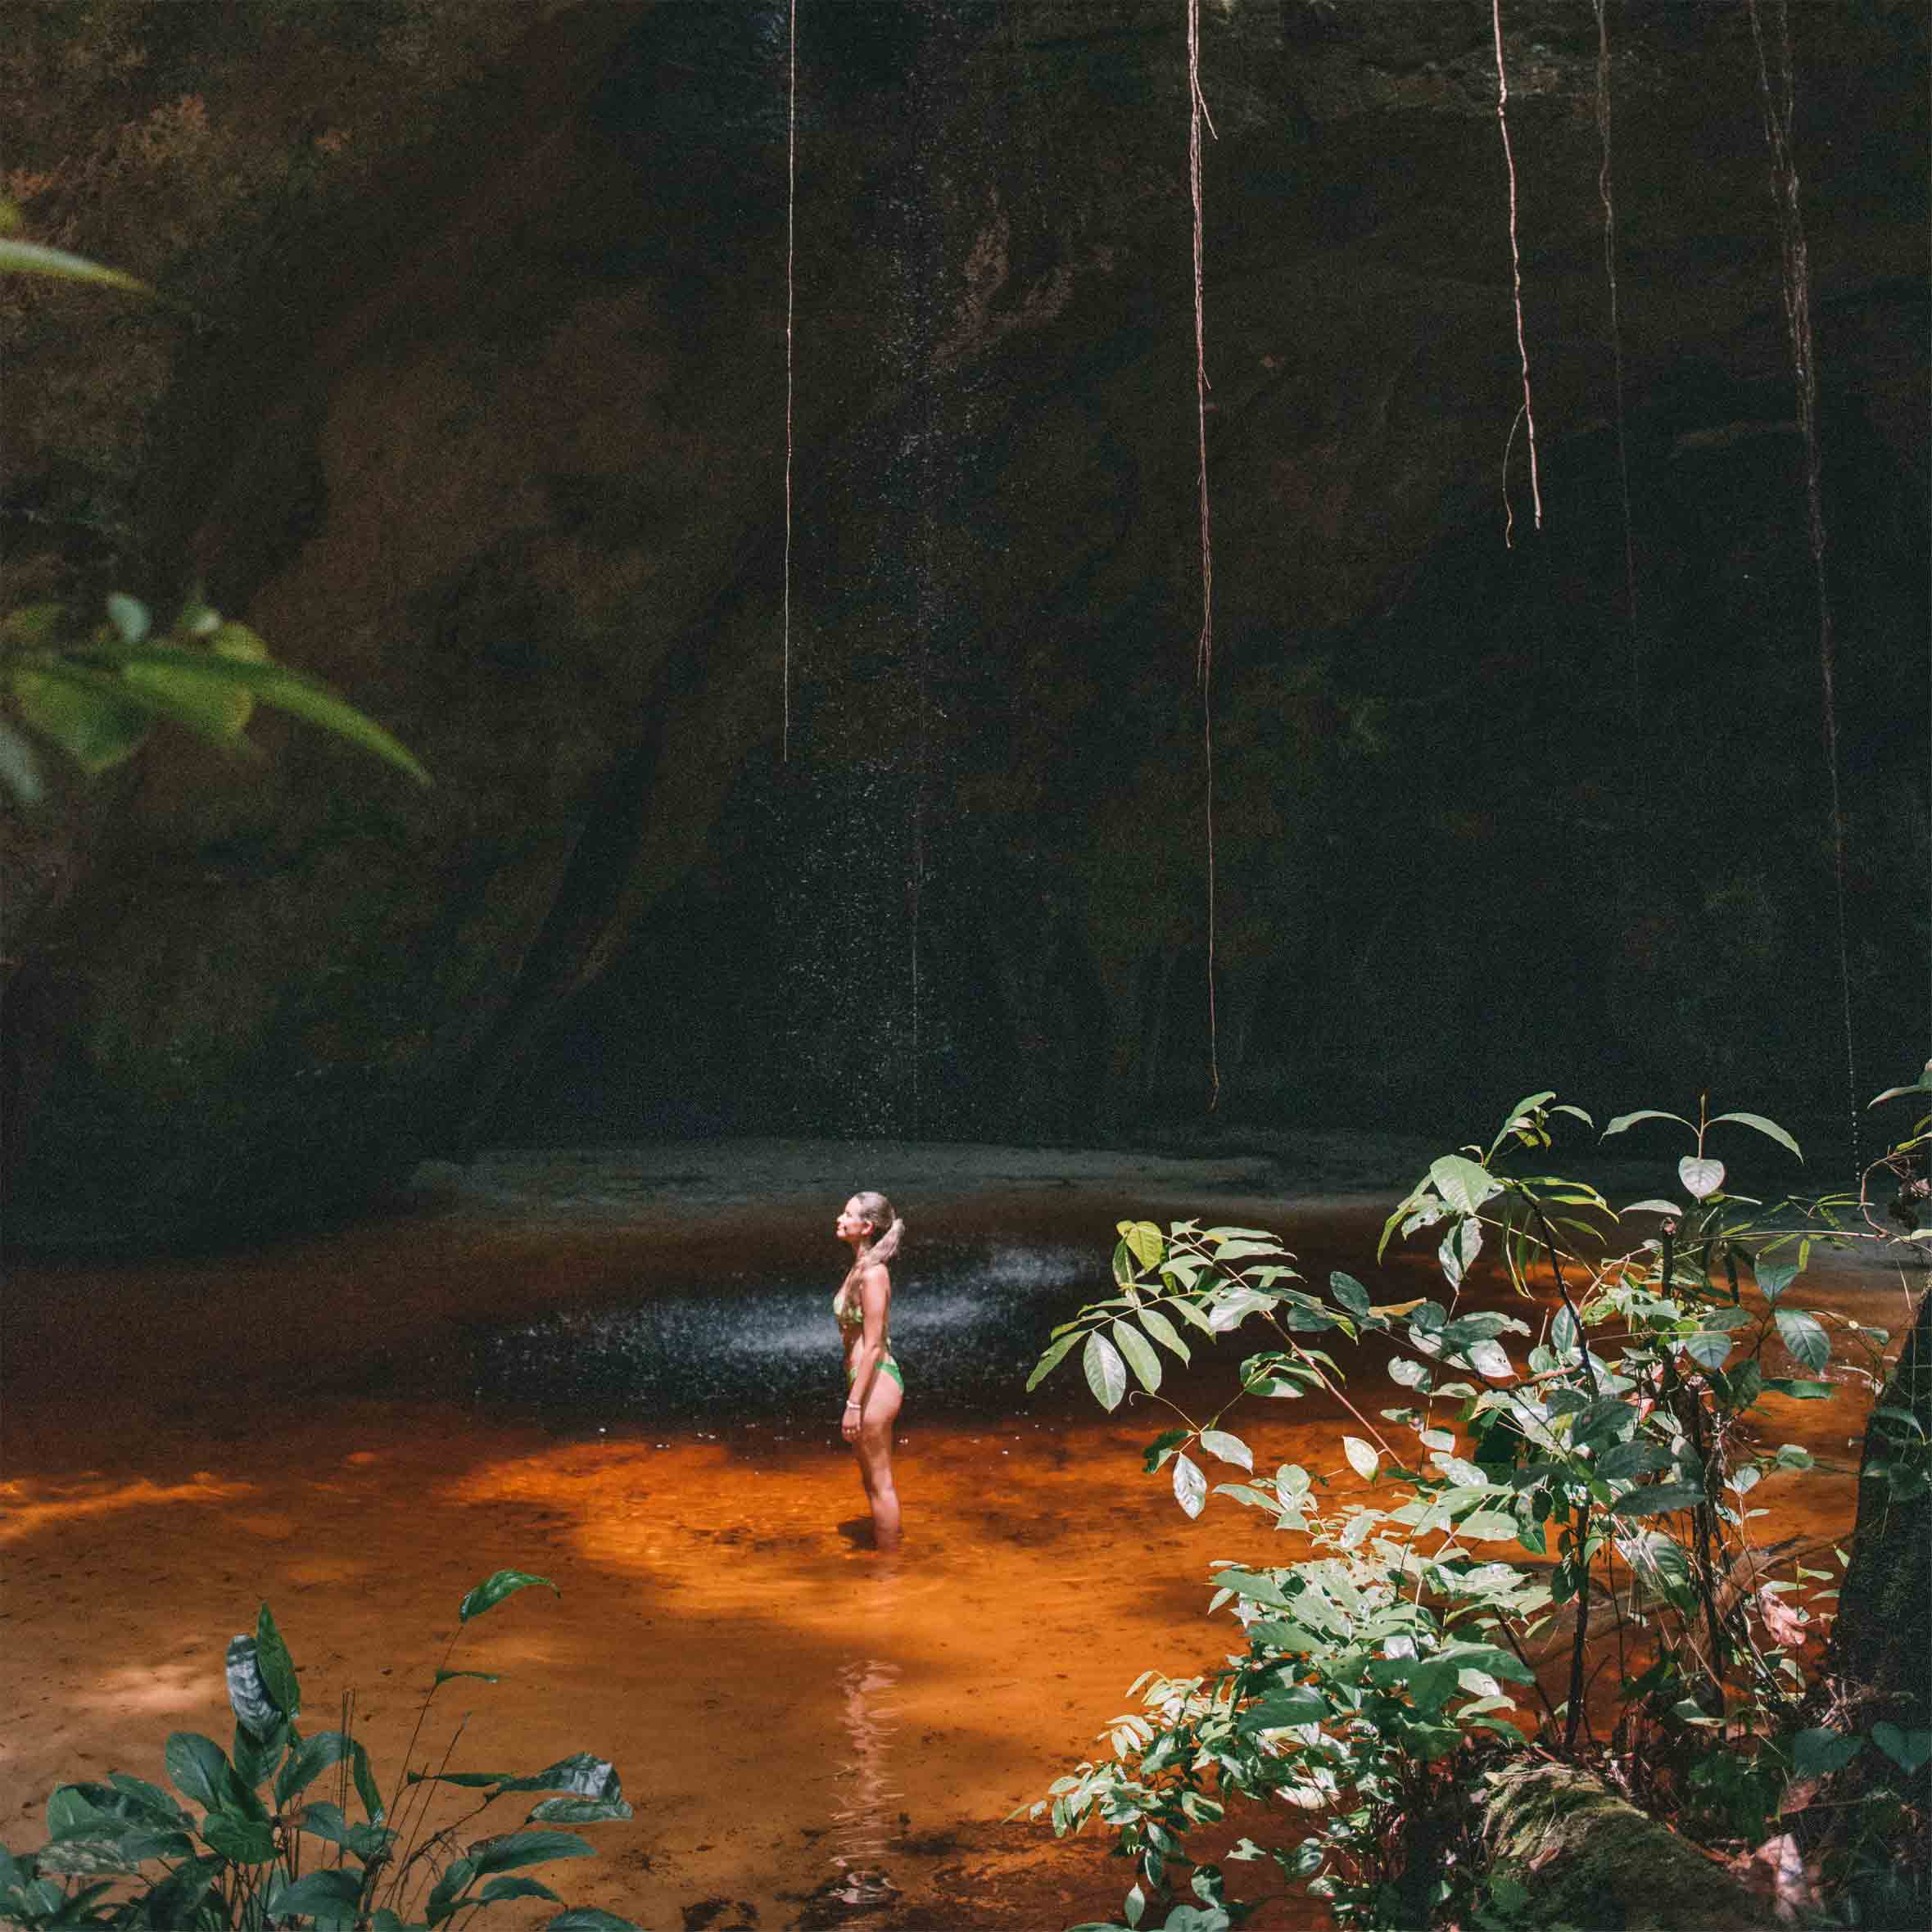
481, 417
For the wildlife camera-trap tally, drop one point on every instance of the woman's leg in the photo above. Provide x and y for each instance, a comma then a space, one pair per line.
873, 1450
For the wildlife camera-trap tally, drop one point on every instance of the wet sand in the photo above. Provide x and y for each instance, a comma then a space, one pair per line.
185, 1438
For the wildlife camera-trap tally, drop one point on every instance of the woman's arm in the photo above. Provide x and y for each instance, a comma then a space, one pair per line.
874, 1295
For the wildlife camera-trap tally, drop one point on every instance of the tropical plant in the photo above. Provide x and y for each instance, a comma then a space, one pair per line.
96, 689
262, 1854
1523, 1513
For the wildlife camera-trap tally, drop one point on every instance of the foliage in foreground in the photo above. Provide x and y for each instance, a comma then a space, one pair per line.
97, 689
239, 1865
1523, 1515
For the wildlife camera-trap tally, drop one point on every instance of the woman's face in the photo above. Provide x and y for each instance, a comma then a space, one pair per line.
853, 1225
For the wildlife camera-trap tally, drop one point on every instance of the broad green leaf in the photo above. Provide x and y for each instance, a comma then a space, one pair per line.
365, 1784
1701, 1177
242, 1841
255, 1709
1660, 1499
1107, 1374
1051, 1360
1807, 1340
32, 258
307, 1762
202, 697
1774, 1277
19, 769
85, 717
1797, 1389
589, 1918
1230, 1449
326, 1894
256, 1757
1907, 1749
277, 1666
1190, 1485
1277, 1710
1770, 1129
583, 1773
1349, 1292
1140, 1354
1144, 1242
512, 1848
1156, 1452
492, 1590
1157, 1325
1627, 1120
1653, 1207
1820, 1751
1362, 1458
87, 1858
1707, 1347
580, 1810
1462, 1183
1488, 1526
1490, 1359
514, 1887
1624, 1462
198, 1769
1410, 1374
1922, 1084
149, 1800
1460, 1247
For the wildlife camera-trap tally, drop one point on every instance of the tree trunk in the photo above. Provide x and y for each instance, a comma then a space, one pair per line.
1582, 1856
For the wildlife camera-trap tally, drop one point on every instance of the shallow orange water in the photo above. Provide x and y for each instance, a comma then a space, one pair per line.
785, 1706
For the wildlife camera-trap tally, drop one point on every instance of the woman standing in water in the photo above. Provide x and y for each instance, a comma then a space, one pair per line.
874, 1385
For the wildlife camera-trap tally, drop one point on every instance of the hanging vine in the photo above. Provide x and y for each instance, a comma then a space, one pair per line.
1527, 415
1197, 118
1606, 193
791, 197
1775, 92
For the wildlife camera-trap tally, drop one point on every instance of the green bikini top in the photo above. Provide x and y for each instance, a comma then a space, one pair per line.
850, 1315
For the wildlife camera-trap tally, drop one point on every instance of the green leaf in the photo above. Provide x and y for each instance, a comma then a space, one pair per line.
500, 1889
277, 1666
202, 696
1774, 1277
1798, 1390
307, 1762
322, 1895
1907, 1749
1349, 1292
1157, 1325
1627, 1120
583, 1773
451, 1677
1144, 1242
1230, 1449
1701, 1177
1707, 1347
1673, 1208
1276, 1710
588, 1918
365, 1786
1156, 1452
512, 1848
19, 769
1190, 1485
255, 1709
580, 1810
1050, 1359
492, 1590
1821, 1751
1807, 1340
1140, 1354
256, 1757
198, 1769
1462, 1184
1659, 1499
241, 1841
1770, 1129
446, 1896
1362, 1458
32, 258
1107, 1374
95, 727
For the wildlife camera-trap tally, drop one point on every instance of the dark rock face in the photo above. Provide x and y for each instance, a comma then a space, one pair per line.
493, 436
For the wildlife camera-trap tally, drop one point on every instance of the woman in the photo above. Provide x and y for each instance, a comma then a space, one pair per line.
874, 1385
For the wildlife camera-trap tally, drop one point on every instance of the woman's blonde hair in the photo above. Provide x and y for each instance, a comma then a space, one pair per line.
876, 1208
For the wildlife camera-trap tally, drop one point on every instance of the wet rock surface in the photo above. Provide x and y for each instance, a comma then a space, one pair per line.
489, 429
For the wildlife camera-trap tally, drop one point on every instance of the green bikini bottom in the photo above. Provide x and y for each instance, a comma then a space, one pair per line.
887, 1366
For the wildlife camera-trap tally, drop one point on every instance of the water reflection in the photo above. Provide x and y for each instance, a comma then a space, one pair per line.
863, 1819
